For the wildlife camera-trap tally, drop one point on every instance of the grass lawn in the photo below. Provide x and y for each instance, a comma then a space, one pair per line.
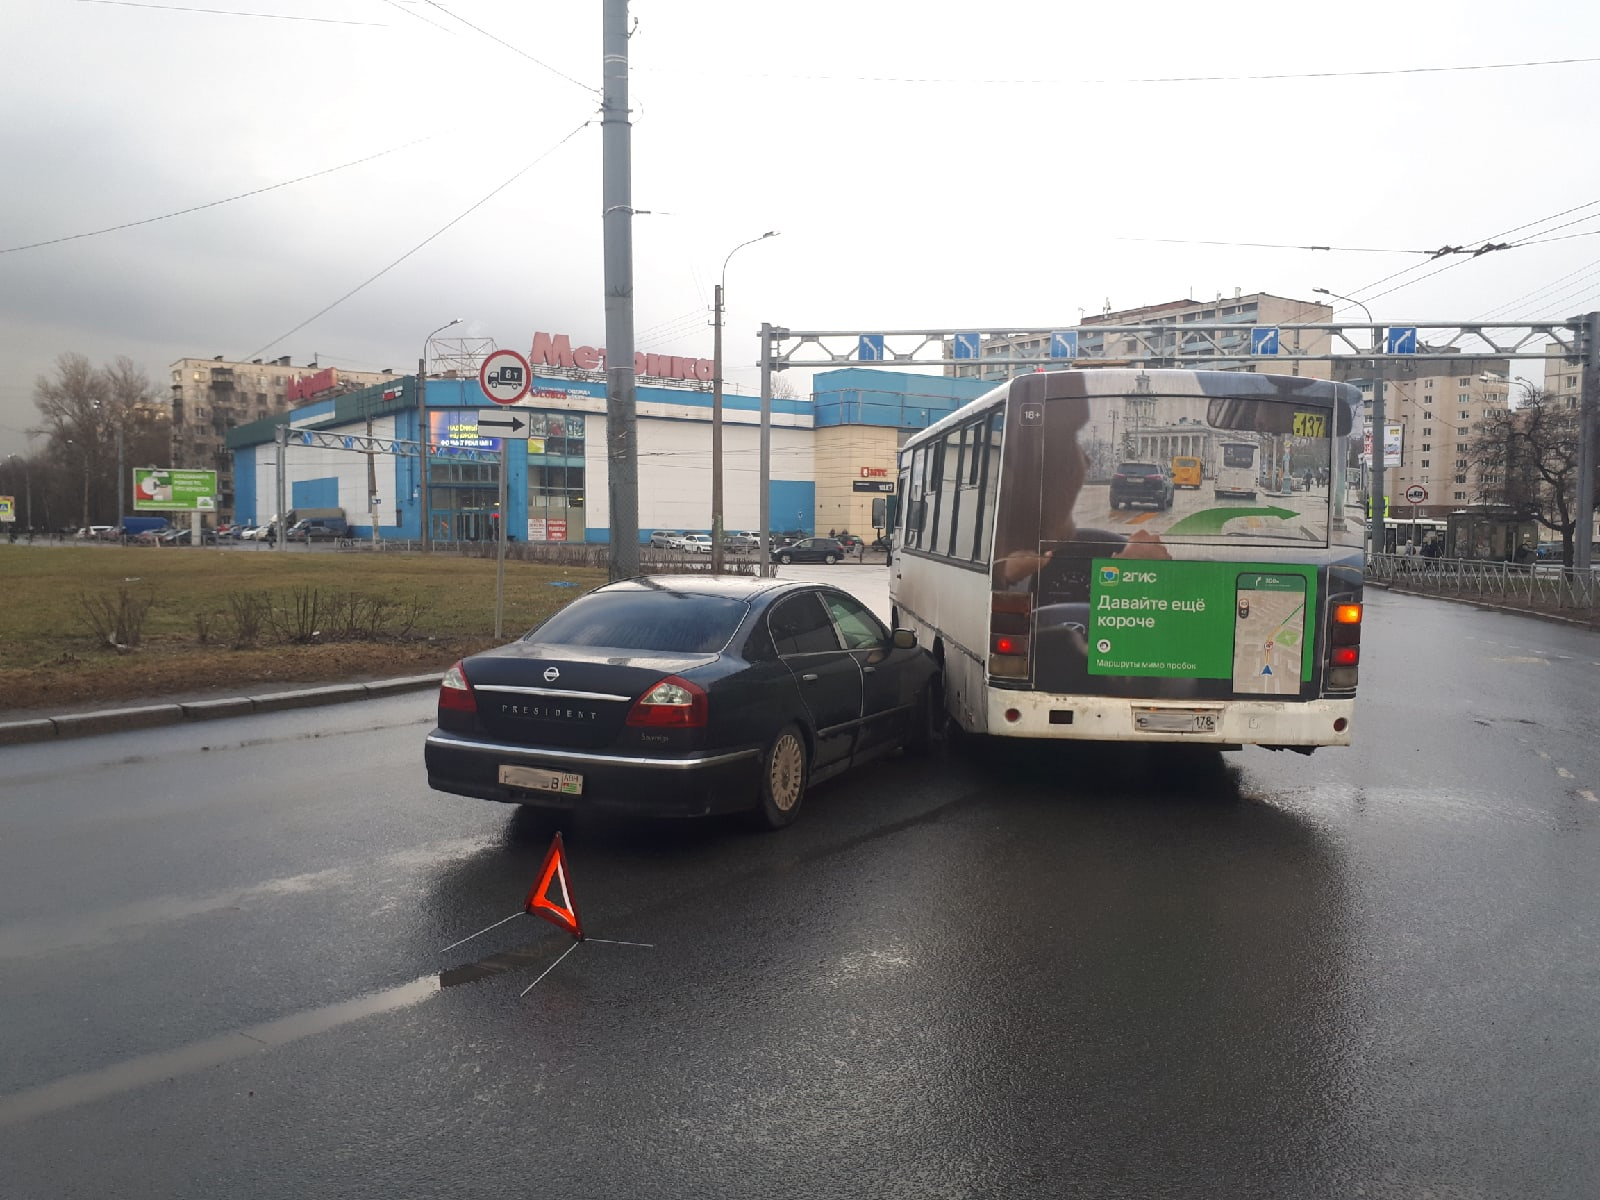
436, 608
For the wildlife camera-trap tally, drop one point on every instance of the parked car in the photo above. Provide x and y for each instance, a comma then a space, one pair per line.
740, 541
317, 529
684, 696
98, 533
813, 550
1141, 483
666, 539
851, 543
699, 543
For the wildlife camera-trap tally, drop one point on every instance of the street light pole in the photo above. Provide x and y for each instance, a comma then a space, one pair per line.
423, 515
716, 410
1375, 497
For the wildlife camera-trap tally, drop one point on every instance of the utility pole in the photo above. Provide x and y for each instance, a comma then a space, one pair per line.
766, 450
622, 422
1588, 432
422, 450
716, 434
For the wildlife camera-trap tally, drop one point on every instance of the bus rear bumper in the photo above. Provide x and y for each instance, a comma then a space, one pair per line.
1232, 722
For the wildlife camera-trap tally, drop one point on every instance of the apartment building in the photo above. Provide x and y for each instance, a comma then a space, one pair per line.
1177, 345
211, 396
1436, 404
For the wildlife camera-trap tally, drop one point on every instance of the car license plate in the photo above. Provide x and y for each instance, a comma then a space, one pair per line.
1166, 720
536, 780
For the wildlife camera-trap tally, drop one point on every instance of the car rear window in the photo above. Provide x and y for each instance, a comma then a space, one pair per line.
1138, 468
665, 622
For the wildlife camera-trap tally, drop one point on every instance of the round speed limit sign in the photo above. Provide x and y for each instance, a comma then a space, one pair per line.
1416, 494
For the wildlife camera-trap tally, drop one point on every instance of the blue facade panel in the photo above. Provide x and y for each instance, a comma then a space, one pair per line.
314, 493
858, 396
794, 505
244, 483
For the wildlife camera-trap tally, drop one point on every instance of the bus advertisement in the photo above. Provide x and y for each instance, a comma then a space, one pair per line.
1230, 619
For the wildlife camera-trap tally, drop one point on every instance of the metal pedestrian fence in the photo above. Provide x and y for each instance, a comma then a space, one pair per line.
1540, 586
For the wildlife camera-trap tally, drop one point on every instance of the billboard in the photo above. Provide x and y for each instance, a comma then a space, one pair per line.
161, 489
1393, 437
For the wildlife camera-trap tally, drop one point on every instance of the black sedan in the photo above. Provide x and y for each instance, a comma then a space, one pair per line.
811, 550
684, 696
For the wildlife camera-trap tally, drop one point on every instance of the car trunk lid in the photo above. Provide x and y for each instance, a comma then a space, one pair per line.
543, 695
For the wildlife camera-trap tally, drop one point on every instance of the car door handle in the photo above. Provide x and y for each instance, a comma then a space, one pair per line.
869, 670
808, 678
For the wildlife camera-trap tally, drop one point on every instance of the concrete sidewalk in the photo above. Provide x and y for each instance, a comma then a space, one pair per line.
176, 712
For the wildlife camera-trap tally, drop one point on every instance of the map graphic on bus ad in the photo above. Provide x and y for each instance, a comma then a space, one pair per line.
1202, 620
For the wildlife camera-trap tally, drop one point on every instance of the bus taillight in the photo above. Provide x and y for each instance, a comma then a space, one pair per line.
1344, 646
1010, 622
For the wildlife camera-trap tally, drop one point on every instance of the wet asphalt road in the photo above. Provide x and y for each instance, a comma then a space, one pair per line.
1373, 972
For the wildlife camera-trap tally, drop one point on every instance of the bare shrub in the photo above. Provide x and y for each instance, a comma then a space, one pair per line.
300, 617
117, 621
249, 614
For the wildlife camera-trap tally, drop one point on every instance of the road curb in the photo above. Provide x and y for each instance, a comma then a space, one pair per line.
151, 716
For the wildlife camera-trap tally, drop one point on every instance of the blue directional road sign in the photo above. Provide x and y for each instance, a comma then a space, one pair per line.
870, 348
966, 345
1264, 339
1064, 344
1400, 339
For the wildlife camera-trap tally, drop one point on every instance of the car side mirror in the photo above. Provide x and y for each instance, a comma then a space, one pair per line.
905, 639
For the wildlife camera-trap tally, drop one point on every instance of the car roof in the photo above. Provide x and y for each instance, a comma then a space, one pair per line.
733, 587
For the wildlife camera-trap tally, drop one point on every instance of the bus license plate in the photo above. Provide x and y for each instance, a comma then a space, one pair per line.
1164, 720
535, 780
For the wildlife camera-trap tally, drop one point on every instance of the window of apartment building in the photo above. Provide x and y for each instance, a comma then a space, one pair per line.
1427, 430
1427, 414
1464, 398
1426, 446
1466, 381
1424, 463
1461, 495
1427, 385
1461, 479
1461, 464
1465, 415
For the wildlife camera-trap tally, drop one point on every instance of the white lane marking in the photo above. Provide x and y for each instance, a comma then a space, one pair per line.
1589, 796
1564, 773
1542, 755
1520, 658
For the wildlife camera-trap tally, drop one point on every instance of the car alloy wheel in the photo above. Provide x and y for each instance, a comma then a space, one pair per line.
829, 559
785, 558
783, 779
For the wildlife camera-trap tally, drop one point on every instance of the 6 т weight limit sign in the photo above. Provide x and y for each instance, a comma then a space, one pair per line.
504, 377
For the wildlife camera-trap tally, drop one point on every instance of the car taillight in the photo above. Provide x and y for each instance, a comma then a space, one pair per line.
1152, 479
674, 702
455, 693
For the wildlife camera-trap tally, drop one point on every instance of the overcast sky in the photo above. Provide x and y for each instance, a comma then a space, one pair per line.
939, 164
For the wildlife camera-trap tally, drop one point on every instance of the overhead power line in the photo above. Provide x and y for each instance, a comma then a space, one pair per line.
435, 234
1012, 81
592, 90
271, 187
230, 12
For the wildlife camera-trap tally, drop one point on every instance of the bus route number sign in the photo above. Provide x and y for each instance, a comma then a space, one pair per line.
1311, 424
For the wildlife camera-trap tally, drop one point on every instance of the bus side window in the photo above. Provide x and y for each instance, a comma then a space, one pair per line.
989, 484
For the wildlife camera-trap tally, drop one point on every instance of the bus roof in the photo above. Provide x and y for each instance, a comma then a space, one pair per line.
1050, 385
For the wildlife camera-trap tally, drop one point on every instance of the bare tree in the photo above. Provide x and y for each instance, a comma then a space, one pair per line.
87, 414
783, 388
1527, 459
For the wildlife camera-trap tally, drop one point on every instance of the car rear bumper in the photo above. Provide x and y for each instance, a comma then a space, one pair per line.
689, 785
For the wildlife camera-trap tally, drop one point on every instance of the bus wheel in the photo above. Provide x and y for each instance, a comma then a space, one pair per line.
783, 779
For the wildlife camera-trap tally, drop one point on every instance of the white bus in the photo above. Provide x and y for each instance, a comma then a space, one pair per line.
1236, 473
1054, 616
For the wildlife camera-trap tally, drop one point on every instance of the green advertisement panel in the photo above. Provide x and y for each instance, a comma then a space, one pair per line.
160, 489
1248, 623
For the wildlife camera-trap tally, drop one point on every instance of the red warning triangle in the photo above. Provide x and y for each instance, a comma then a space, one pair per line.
562, 910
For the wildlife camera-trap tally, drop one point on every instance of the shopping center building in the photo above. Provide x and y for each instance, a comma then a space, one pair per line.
831, 455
